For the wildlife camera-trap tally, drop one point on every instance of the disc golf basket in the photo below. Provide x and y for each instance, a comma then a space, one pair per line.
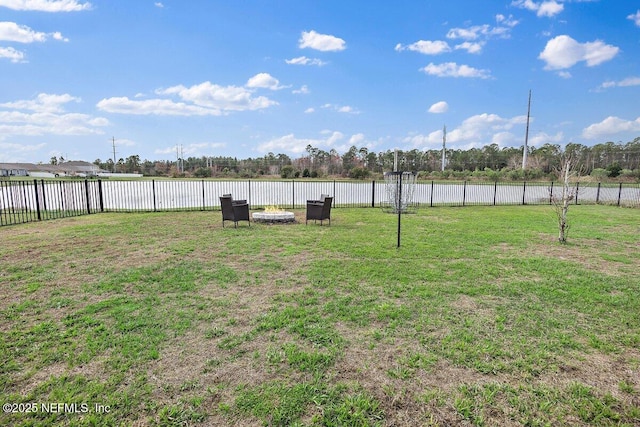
399, 189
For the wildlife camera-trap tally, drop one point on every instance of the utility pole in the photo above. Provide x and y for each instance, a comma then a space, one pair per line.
180, 158
444, 143
113, 141
395, 160
526, 136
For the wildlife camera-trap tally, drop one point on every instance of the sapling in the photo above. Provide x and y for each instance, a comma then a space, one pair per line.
567, 195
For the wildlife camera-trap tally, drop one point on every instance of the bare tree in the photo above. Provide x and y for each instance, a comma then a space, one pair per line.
567, 194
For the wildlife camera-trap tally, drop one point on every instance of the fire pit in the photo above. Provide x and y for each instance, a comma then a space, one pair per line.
273, 215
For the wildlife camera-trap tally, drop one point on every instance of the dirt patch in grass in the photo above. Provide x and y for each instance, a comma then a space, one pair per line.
589, 253
223, 352
605, 373
421, 398
94, 369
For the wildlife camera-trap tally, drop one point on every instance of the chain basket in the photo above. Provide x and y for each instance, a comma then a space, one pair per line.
399, 190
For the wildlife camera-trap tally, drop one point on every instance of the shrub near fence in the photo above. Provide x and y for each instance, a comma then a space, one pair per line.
27, 201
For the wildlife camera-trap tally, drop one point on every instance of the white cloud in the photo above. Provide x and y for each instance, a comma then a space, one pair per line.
483, 31
195, 149
10, 31
204, 99
159, 107
341, 108
123, 142
476, 128
44, 103
46, 5
432, 140
18, 153
302, 91
221, 98
310, 110
471, 33
475, 131
563, 52
451, 69
328, 140
159, 5
470, 47
45, 115
547, 8
542, 138
291, 144
264, 80
611, 126
635, 17
629, 81
322, 42
12, 54
357, 139
475, 38
439, 107
6, 146
426, 47
58, 36
508, 21
303, 60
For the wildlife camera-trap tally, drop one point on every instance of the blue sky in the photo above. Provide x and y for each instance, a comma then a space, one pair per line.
245, 78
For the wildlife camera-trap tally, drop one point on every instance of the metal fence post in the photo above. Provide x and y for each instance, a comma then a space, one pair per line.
86, 194
399, 205
23, 210
619, 194
334, 192
464, 192
524, 190
495, 192
373, 193
100, 195
35, 189
44, 199
577, 188
62, 197
153, 191
431, 202
598, 194
551, 193
204, 198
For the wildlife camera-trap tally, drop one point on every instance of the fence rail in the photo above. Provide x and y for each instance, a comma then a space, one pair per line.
27, 201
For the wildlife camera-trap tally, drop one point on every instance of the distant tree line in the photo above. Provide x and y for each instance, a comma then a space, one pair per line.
602, 161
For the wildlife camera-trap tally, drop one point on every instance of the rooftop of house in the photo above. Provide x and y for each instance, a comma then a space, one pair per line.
65, 167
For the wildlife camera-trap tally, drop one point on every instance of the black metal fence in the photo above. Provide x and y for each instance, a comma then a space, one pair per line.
27, 201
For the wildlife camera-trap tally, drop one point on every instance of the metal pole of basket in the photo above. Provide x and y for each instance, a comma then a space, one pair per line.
399, 205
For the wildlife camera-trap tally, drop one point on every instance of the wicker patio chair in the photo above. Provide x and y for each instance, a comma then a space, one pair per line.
319, 210
234, 210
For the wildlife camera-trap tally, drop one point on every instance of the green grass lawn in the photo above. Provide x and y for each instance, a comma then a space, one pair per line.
167, 319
